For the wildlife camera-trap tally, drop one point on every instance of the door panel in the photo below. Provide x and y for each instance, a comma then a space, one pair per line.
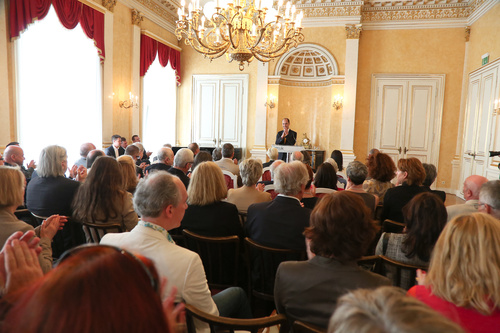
391, 99
230, 129
206, 104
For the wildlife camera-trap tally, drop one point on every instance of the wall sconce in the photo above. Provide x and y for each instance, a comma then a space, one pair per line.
129, 103
270, 102
496, 107
337, 101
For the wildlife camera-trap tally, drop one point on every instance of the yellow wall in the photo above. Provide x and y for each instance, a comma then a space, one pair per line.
484, 38
425, 51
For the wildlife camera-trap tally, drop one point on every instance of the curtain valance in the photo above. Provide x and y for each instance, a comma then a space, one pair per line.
150, 47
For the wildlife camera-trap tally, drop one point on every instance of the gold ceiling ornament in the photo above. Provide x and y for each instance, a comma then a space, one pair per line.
241, 29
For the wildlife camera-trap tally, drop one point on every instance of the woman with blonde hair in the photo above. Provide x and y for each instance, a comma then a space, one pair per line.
250, 171
463, 281
128, 172
207, 214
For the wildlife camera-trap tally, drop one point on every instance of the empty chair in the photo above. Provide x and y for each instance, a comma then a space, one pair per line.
95, 231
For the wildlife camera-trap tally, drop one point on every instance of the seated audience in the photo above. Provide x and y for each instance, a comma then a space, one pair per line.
14, 155
65, 301
297, 156
124, 143
143, 159
103, 198
309, 199
201, 157
160, 199
115, 149
386, 310
144, 153
325, 177
250, 171
339, 159
183, 161
134, 151
194, 148
381, 170
207, 214
462, 283
272, 153
92, 156
227, 163
128, 173
281, 222
11, 196
489, 198
217, 154
165, 160
430, 177
472, 185
340, 231
409, 178
425, 217
84, 151
356, 175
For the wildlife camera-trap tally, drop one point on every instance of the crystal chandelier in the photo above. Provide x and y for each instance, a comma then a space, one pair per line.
240, 29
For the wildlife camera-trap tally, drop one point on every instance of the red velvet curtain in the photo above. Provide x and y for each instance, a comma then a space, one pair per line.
150, 47
70, 13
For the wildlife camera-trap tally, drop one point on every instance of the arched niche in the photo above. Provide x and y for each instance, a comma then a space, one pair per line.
307, 62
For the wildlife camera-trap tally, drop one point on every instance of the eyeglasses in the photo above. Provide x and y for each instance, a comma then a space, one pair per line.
153, 277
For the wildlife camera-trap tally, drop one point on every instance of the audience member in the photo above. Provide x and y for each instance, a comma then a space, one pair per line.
202, 156
160, 199
341, 229
115, 149
381, 170
339, 159
250, 171
14, 155
143, 159
144, 153
297, 156
472, 185
165, 160
51, 193
92, 156
430, 177
227, 163
216, 154
124, 143
11, 196
373, 151
309, 199
183, 161
489, 198
425, 217
84, 151
356, 175
462, 282
194, 148
128, 173
281, 222
272, 153
325, 177
409, 178
65, 301
207, 214
307, 157
386, 310
134, 151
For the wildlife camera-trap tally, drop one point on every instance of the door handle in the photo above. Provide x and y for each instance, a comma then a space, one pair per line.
215, 142
406, 150
399, 150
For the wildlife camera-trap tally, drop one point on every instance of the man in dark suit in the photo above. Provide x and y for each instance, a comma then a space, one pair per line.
165, 160
183, 161
115, 149
281, 222
286, 137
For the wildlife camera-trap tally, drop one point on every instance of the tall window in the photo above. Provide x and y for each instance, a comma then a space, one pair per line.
159, 106
59, 88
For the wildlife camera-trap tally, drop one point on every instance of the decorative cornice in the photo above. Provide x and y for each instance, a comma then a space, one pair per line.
109, 4
333, 11
467, 34
423, 14
353, 31
165, 9
137, 17
278, 80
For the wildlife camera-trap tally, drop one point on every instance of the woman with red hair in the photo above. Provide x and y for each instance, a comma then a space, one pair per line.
94, 289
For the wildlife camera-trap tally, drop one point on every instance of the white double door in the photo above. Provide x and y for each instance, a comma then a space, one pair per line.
220, 105
481, 124
406, 113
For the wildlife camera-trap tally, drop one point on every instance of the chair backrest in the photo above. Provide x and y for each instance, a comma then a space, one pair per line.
402, 275
220, 257
302, 327
266, 174
95, 231
263, 264
393, 226
243, 218
270, 189
231, 325
324, 190
231, 179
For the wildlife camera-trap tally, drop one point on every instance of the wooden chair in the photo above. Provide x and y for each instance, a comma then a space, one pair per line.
220, 257
95, 231
402, 275
393, 226
231, 179
263, 263
369, 262
301, 327
24, 215
322, 191
243, 218
218, 324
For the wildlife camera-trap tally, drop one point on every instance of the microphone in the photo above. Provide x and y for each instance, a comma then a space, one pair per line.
494, 153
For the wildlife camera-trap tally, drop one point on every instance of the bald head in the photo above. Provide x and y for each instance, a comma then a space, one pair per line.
166, 155
297, 156
14, 155
472, 185
86, 148
93, 155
